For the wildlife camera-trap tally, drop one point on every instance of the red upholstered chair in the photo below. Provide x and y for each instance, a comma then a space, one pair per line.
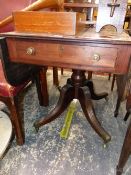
8, 95
15, 77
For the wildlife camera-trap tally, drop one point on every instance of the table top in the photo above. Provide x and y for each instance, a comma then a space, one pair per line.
85, 35
75, 52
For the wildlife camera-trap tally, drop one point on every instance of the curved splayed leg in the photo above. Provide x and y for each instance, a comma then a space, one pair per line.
94, 96
66, 96
86, 104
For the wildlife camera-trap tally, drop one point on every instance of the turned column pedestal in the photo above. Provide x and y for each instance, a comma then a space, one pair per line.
77, 87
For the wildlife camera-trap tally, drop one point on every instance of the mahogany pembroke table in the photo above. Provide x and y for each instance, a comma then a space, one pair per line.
88, 50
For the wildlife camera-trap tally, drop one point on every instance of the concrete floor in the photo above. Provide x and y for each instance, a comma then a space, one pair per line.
83, 153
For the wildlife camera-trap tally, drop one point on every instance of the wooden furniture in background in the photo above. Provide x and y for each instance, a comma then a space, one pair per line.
128, 106
128, 17
125, 152
126, 149
84, 7
123, 88
111, 13
123, 82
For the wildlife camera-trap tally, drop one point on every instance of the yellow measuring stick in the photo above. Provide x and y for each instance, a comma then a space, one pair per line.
67, 123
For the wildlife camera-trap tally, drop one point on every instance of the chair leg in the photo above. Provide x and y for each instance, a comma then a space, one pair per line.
41, 85
113, 82
126, 116
55, 76
62, 70
12, 103
126, 151
109, 77
128, 108
121, 81
89, 75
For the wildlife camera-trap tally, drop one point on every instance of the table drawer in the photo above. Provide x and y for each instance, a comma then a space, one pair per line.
55, 54
89, 55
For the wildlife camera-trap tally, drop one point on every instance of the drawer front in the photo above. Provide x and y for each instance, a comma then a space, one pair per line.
89, 55
55, 54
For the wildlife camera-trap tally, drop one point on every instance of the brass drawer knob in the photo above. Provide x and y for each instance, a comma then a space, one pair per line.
30, 51
96, 57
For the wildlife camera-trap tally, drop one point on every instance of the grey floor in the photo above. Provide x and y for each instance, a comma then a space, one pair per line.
83, 153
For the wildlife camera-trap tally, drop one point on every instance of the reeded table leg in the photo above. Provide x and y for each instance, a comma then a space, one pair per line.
77, 87
119, 99
41, 85
121, 81
55, 76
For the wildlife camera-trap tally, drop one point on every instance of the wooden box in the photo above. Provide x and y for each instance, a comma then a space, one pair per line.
64, 23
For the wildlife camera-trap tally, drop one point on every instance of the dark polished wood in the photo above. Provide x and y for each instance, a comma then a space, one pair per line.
90, 75
77, 88
94, 96
71, 51
55, 76
125, 152
86, 51
121, 84
126, 149
123, 88
41, 85
12, 104
17, 74
113, 82
128, 107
